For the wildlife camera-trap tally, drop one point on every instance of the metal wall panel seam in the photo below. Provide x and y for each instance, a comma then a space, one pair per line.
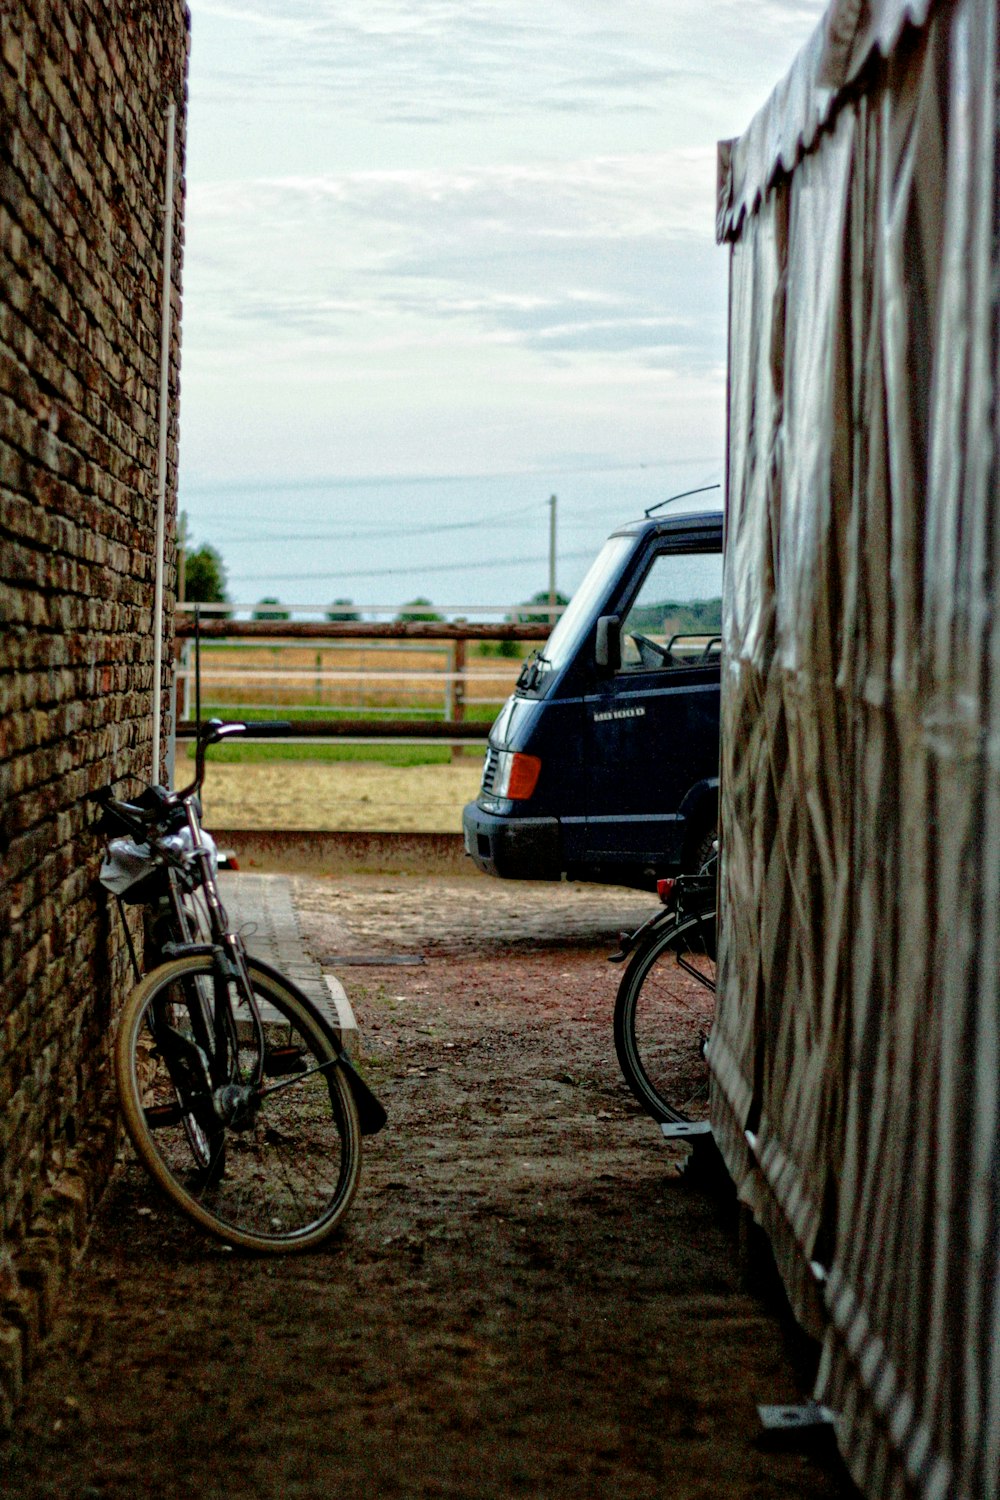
851, 1337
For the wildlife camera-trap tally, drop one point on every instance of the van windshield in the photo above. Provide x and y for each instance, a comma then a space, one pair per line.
572, 626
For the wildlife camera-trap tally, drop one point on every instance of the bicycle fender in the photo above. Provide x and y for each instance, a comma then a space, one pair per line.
372, 1114
631, 940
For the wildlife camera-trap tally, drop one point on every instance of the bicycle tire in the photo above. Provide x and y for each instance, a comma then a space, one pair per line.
663, 1010
281, 1183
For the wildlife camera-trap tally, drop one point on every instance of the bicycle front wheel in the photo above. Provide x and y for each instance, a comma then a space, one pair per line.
663, 1013
277, 1172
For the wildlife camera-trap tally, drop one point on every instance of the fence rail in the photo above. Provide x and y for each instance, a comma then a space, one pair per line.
266, 673
360, 630
446, 730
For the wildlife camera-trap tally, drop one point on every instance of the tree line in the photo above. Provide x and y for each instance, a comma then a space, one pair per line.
205, 582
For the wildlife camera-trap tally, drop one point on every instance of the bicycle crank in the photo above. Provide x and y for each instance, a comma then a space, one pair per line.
237, 1104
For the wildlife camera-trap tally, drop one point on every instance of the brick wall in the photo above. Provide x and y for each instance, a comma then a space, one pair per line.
85, 87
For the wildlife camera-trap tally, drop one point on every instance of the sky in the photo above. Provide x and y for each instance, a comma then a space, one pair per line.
444, 259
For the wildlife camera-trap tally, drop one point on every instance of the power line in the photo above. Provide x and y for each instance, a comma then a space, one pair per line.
384, 530
415, 570
373, 481
577, 518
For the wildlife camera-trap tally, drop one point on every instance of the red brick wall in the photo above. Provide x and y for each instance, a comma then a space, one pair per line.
85, 89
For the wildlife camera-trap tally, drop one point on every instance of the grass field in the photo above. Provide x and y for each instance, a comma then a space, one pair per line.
341, 797
263, 753
353, 678
343, 787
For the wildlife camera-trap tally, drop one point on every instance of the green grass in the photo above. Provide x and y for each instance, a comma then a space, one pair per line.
241, 752
308, 711
386, 755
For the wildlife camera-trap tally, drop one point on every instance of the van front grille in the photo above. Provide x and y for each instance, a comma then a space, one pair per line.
490, 770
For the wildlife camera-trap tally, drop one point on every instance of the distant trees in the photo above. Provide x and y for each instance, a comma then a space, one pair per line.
688, 617
342, 612
500, 648
270, 609
528, 613
419, 609
205, 577
524, 616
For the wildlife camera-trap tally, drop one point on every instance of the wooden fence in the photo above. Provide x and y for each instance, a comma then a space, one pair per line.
288, 637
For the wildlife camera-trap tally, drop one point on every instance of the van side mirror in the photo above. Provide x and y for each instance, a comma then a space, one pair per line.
608, 645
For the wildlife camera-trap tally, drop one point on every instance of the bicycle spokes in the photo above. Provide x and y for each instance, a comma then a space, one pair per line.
663, 1014
269, 1165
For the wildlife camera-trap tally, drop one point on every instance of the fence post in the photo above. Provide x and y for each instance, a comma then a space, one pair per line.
449, 680
458, 699
182, 680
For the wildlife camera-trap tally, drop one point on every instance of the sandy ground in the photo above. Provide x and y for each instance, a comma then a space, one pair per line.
527, 1298
342, 796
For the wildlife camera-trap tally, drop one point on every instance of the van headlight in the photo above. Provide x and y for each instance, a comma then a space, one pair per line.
516, 775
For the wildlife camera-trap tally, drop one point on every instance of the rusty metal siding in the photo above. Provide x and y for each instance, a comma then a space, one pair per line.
856, 1054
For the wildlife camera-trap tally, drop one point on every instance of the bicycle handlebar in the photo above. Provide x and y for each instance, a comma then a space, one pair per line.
215, 730
269, 729
212, 732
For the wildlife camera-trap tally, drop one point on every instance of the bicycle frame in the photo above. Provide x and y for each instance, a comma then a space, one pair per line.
684, 896
225, 946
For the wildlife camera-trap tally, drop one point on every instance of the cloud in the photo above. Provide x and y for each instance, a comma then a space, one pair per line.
540, 255
393, 60
457, 234
452, 60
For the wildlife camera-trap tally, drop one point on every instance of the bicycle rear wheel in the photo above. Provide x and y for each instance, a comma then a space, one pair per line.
663, 1013
277, 1176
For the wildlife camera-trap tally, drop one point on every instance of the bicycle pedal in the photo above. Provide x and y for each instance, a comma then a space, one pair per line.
281, 1061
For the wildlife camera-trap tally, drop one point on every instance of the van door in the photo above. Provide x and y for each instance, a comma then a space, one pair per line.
652, 726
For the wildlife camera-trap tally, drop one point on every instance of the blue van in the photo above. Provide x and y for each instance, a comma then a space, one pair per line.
604, 762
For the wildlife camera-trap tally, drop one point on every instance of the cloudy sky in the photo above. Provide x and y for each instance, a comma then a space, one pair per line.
444, 258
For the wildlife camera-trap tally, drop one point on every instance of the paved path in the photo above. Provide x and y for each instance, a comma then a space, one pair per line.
260, 906
526, 1301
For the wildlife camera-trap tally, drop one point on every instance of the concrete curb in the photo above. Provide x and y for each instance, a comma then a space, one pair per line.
261, 907
346, 1024
318, 852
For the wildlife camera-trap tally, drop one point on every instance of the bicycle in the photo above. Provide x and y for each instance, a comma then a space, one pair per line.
235, 1090
666, 999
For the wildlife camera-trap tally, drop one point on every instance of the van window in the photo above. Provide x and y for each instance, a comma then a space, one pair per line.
565, 639
676, 617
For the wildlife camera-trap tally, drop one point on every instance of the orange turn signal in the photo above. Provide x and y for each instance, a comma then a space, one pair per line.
524, 772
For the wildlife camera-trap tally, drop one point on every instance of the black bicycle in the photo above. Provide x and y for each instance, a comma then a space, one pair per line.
666, 999
235, 1090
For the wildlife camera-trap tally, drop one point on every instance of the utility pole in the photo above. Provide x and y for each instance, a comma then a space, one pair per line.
552, 560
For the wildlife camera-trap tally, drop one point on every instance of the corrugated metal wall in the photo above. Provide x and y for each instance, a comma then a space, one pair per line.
856, 1052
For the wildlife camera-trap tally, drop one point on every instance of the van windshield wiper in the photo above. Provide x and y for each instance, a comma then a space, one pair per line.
532, 670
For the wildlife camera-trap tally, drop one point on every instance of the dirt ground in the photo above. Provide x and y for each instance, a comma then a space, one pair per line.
526, 1299
342, 795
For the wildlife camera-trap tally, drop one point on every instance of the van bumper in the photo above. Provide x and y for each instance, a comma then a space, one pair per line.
513, 848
